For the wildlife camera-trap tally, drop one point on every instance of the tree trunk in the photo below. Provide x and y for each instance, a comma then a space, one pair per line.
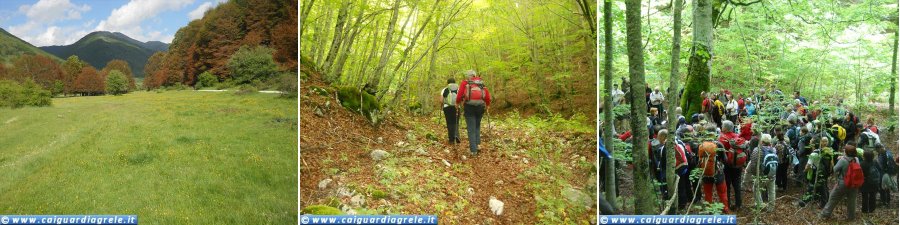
893, 99
645, 202
700, 61
410, 47
355, 29
386, 48
610, 183
672, 101
337, 41
303, 14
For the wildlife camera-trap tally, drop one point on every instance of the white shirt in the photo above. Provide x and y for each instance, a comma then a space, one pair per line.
732, 107
617, 95
656, 98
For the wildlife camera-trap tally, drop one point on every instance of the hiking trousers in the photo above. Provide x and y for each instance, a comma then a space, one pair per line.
733, 181
473, 114
721, 190
452, 120
868, 201
781, 177
839, 193
766, 191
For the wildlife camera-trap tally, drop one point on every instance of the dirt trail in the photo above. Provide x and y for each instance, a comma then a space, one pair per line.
335, 144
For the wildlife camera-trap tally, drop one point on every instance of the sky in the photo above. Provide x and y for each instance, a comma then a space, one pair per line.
63, 22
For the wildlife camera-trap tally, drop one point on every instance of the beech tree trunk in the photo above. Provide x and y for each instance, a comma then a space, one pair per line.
610, 175
701, 58
645, 202
892, 99
672, 100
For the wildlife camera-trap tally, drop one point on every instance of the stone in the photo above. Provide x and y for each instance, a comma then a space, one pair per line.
495, 205
343, 192
357, 201
421, 151
445, 162
498, 182
577, 197
319, 112
379, 154
525, 160
380, 140
324, 183
470, 191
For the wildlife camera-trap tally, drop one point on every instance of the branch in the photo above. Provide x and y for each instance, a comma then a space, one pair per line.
672, 199
743, 3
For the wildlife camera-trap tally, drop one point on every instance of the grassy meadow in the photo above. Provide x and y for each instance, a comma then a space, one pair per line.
175, 157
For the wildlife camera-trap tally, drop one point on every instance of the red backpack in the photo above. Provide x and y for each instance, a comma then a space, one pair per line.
475, 92
854, 177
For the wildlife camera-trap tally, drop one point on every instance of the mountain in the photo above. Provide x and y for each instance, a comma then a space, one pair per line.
12, 46
99, 47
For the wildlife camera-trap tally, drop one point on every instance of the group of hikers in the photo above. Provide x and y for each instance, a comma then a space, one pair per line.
470, 97
789, 145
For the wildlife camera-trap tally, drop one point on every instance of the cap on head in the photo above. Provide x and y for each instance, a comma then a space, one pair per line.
766, 139
470, 73
451, 81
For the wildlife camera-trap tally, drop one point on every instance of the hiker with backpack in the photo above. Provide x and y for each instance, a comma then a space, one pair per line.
476, 100
658, 160
885, 161
735, 160
685, 160
785, 156
818, 169
764, 165
872, 183
850, 178
732, 108
711, 161
717, 111
451, 115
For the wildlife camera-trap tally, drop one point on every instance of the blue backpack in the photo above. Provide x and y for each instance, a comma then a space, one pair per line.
770, 159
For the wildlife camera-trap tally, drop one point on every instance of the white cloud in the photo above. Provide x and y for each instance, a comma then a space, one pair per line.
200, 10
40, 28
48, 11
128, 18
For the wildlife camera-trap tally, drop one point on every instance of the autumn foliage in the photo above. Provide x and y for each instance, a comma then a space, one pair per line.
207, 44
38, 68
90, 82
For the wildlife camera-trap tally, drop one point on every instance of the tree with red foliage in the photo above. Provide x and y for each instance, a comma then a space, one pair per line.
90, 82
41, 69
71, 68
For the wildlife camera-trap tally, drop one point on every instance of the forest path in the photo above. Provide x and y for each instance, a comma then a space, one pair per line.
541, 174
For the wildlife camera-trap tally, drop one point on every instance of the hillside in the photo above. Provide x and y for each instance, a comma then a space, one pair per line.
12, 46
98, 48
206, 44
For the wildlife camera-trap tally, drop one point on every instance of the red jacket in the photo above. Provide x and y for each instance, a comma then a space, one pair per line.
723, 139
462, 90
747, 131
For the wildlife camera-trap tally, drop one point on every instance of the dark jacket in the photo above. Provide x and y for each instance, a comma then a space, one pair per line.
872, 174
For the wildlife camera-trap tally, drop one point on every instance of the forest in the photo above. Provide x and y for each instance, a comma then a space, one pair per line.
376, 137
828, 67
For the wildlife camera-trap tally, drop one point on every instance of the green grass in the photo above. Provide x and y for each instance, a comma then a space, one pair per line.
177, 157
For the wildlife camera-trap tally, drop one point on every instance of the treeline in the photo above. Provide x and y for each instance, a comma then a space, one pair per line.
39, 77
531, 54
238, 43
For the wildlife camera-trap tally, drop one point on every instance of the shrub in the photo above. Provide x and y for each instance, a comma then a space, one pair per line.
116, 83
29, 93
206, 79
252, 63
58, 88
288, 85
